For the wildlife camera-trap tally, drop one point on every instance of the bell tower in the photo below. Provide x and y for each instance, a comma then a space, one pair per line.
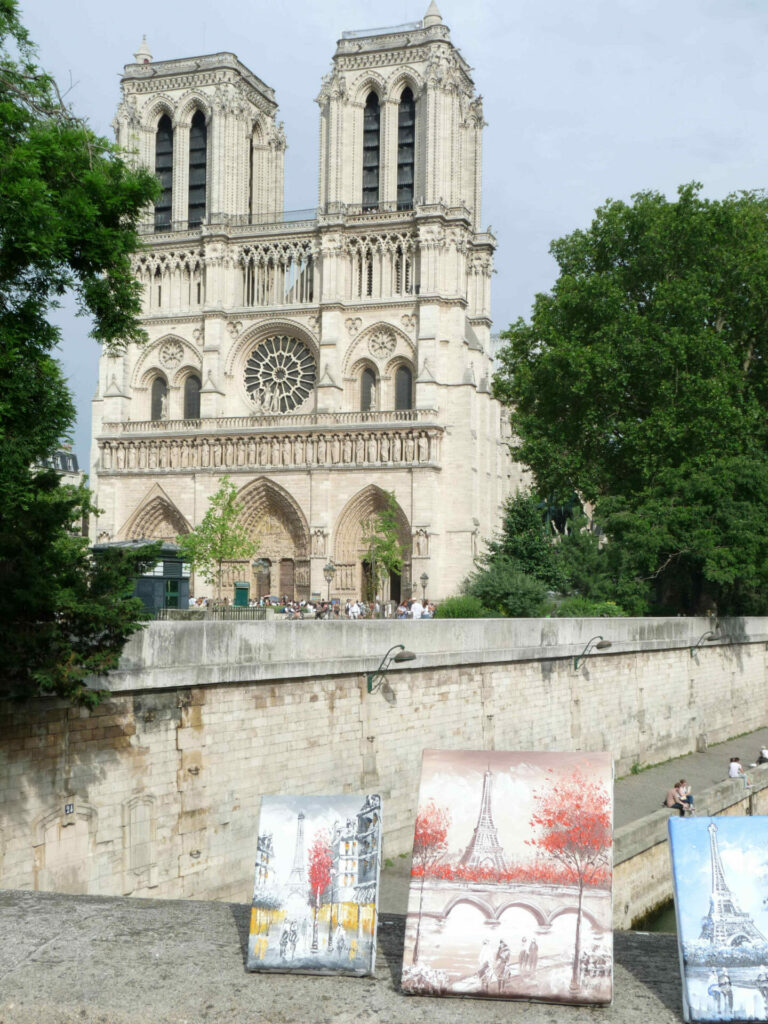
400, 122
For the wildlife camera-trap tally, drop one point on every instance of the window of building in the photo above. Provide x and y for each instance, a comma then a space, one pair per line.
159, 409
192, 397
198, 142
368, 390
406, 147
371, 152
164, 171
403, 388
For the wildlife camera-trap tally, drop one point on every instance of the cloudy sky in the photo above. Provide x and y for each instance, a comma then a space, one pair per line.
584, 101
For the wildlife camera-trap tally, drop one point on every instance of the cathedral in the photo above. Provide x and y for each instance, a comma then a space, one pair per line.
320, 358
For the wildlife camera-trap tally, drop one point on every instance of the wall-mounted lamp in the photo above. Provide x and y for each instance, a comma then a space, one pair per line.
705, 638
601, 645
377, 678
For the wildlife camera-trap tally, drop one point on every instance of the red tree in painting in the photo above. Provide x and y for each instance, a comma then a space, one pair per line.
320, 864
573, 819
429, 844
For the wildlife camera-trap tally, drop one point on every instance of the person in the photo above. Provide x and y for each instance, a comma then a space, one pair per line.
726, 991
417, 609
672, 799
522, 962
736, 771
762, 985
685, 796
713, 989
503, 954
533, 955
763, 759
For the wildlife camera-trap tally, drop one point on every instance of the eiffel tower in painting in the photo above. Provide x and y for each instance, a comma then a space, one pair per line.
484, 850
725, 924
297, 880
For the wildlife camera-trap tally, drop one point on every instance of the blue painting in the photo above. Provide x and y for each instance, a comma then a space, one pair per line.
720, 869
315, 893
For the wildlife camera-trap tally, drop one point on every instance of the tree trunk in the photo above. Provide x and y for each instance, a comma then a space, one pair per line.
313, 948
577, 950
418, 920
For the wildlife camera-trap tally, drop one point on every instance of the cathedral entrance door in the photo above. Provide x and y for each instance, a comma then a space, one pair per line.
287, 574
264, 578
394, 587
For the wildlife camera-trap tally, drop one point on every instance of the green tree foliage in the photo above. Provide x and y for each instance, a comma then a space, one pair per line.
220, 537
75, 613
641, 383
69, 207
381, 539
465, 606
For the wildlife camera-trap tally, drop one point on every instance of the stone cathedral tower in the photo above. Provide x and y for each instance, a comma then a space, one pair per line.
321, 358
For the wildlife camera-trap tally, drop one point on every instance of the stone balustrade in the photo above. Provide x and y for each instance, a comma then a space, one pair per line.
270, 421
286, 449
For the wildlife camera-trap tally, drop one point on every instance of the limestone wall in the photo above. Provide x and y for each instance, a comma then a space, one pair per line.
157, 792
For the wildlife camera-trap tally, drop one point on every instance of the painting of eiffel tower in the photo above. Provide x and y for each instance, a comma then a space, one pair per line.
297, 880
725, 924
718, 865
484, 850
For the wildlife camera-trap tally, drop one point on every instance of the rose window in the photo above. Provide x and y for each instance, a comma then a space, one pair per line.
280, 374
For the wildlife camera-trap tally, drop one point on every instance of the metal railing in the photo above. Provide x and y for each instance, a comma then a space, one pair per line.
217, 612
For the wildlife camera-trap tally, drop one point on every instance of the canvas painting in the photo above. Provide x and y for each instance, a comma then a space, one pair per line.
510, 893
315, 893
720, 871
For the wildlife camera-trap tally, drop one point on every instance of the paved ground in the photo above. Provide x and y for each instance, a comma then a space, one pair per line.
635, 796
94, 960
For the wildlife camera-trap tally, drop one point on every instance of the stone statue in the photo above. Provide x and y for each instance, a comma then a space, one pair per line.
360, 449
410, 448
371, 448
423, 447
321, 449
286, 451
120, 457
164, 406
106, 456
397, 446
347, 449
336, 448
421, 542
384, 448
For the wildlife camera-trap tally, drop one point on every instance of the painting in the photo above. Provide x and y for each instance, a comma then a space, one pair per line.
315, 893
510, 893
720, 872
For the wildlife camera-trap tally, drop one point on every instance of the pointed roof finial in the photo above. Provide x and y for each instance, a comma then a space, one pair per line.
433, 15
142, 55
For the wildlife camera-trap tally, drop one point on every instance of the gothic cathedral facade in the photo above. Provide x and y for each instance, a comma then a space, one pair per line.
320, 358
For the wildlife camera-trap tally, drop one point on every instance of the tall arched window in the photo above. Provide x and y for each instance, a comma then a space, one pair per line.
164, 171
198, 143
406, 143
371, 152
159, 399
403, 388
192, 397
368, 390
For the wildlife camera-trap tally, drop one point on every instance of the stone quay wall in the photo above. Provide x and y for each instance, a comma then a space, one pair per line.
157, 791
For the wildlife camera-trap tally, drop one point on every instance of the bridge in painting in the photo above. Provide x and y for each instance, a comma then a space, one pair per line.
545, 903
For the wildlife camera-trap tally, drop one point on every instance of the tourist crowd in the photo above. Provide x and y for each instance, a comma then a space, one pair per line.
332, 609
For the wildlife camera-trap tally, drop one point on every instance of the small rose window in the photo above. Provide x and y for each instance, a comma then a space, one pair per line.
280, 374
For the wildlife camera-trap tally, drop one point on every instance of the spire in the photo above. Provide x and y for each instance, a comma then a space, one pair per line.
718, 876
725, 924
142, 55
433, 15
297, 878
484, 850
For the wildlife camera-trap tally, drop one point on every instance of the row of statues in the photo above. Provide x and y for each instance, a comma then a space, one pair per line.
377, 448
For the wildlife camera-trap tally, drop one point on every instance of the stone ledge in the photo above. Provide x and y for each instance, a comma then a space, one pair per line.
97, 960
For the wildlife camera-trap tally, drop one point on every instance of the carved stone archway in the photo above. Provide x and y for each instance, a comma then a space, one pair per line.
156, 518
274, 518
349, 551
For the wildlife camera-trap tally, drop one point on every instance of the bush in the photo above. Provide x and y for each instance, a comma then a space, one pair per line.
508, 591
579, 607
462, 607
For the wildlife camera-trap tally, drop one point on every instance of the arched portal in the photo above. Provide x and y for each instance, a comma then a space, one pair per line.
274, 518
156, 518
351, 554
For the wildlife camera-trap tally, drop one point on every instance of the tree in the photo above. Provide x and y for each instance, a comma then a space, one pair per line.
220, 537
641, 383
575, 828
69, 207
429, 845
381, 538
319, 874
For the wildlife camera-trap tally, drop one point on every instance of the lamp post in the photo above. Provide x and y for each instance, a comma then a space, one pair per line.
424, 579
329, 571
377, 678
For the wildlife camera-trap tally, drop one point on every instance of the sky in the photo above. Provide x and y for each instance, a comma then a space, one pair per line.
584, 101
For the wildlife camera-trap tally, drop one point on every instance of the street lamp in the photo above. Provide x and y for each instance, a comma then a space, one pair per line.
424, 579
601, 645
705, 638
329, 571
376, 679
